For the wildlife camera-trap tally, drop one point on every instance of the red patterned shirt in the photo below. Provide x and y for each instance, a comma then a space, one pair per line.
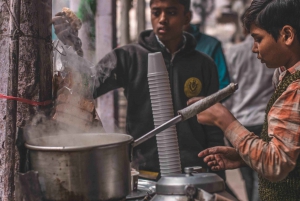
273, 160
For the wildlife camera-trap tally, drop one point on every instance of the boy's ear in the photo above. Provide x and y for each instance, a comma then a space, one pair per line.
288, 33
188, 17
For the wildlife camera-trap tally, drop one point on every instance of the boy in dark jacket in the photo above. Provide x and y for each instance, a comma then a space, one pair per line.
127, 67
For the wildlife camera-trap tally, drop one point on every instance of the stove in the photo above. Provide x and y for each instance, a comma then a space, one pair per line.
189, 186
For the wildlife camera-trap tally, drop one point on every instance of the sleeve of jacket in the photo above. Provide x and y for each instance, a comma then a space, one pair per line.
110, 72
220, 61
213, 81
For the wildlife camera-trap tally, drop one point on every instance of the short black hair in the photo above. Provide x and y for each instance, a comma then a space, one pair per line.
273, 15
185, 3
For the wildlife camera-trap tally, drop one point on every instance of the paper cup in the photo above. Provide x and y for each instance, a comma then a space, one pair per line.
156, 63
161, 96
166, 87
159, 90
161, 82
153, 75
167, 149
158, 77
158, 102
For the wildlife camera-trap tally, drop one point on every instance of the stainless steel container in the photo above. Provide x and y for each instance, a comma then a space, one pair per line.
82, 166
190, 186
95, 166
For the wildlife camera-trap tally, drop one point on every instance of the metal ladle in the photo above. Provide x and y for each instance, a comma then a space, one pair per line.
190, 111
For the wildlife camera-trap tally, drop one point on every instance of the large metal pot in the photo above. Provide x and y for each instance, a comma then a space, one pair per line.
88, 166
95, 166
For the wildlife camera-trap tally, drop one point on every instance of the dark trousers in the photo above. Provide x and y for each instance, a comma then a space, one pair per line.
250, 177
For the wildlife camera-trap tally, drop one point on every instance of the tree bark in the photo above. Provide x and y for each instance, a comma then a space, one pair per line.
27, 74
11, 109
4, 78
35, 66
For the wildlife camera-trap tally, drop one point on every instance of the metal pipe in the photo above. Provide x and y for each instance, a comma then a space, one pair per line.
190, 111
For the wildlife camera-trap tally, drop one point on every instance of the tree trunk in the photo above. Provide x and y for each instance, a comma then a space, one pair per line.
29, 70
35, 65
4, 78
11, 109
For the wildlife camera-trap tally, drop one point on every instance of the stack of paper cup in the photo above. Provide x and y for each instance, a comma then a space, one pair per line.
162, 109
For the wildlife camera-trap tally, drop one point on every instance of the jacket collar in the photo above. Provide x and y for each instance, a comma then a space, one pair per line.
148, 40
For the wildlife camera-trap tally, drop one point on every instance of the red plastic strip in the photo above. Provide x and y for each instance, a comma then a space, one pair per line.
27, 101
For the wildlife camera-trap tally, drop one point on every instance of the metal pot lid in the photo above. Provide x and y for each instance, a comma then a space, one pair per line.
178, 184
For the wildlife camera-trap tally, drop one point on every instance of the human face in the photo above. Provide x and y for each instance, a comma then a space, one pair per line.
168, 18
269, 51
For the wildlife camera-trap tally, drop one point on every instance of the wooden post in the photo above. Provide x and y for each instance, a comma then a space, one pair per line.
74, 5
125, 36
105, 42
140, 14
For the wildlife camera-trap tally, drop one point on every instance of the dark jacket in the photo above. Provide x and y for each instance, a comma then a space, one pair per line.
212, 47
127, 67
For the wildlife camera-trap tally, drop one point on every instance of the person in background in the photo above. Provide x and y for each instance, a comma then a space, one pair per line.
275, 27
249, 103
212, 47
201, 9
191, 73
206, 44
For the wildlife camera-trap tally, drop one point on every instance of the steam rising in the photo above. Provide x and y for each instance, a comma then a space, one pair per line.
73, 111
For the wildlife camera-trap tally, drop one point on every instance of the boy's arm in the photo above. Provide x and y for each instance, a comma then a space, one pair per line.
273, 160
110, 72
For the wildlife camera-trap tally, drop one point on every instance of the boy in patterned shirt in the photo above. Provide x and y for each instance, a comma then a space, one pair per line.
275, 27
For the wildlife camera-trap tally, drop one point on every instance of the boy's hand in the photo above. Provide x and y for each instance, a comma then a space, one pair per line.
216, 115
222, 158
66, 26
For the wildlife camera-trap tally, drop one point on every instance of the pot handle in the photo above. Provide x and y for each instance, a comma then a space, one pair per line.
207, 102
157, 130
190, 111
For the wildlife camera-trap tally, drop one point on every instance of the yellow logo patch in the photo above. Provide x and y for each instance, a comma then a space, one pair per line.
192, 87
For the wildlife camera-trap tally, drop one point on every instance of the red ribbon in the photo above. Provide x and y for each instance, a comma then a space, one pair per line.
27, 101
